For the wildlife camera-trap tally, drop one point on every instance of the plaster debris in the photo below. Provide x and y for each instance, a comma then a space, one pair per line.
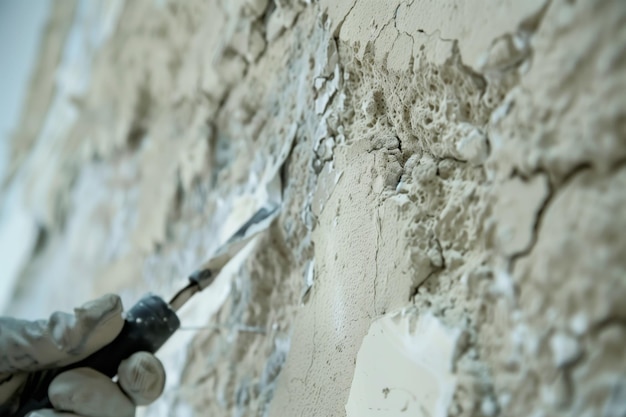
565, 349
517, 210
579, 323
309, 279
472, 145
488, 407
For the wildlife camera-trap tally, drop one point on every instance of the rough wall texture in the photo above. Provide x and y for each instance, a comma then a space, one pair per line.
459, 158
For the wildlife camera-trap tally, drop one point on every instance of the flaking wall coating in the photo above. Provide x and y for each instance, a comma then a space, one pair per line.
462, 158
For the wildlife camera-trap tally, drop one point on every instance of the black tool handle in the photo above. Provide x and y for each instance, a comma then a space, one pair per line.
148, 325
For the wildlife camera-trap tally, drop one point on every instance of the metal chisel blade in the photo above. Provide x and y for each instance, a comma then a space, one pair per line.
204, 276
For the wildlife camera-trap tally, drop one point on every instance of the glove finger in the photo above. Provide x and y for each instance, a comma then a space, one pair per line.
142, 377
86, 392
62, 339
50, 413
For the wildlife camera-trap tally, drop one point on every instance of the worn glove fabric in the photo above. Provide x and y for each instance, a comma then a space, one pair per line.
29, 346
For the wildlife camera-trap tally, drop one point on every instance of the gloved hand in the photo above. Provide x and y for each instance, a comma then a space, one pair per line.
67, 338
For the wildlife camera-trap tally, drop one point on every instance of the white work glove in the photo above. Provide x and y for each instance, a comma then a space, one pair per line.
63, 339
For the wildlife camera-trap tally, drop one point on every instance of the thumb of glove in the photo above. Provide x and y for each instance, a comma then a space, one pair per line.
86, 392
142, 378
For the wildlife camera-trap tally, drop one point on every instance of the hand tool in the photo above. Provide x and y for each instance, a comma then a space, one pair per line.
151, 321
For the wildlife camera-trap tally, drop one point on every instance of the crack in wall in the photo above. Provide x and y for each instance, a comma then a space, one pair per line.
340, 24
419, 133
379, 231
552, 192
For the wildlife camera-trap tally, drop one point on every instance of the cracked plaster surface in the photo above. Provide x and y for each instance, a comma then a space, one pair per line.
460, 160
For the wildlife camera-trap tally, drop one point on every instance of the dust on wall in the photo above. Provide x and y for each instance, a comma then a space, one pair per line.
456, 160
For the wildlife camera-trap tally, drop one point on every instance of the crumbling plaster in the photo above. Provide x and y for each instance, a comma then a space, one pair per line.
461, 161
